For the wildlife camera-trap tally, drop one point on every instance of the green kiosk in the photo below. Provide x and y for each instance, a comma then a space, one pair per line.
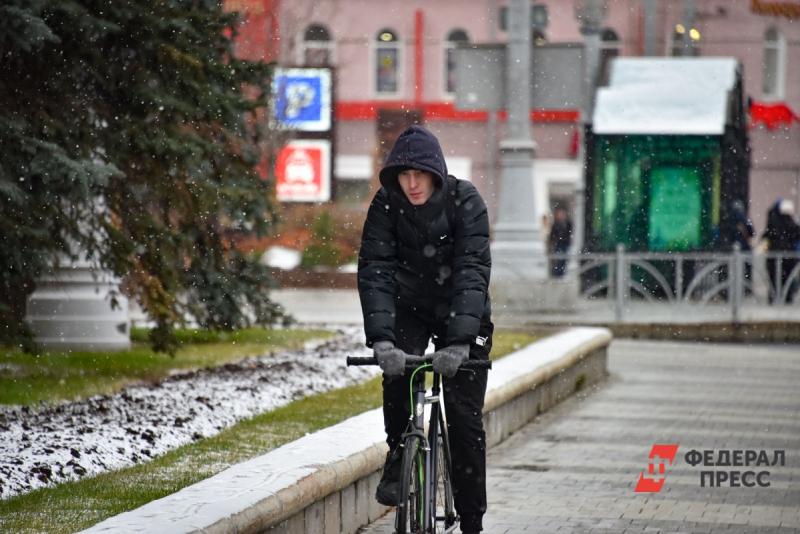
667, 156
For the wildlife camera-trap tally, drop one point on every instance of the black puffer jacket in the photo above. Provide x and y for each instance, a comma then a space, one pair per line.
411, 256
782, 232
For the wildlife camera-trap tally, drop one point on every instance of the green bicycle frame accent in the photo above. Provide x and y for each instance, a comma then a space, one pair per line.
421, 457
411, 385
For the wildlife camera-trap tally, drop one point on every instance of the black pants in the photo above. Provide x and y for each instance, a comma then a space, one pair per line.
463, 396
558, 267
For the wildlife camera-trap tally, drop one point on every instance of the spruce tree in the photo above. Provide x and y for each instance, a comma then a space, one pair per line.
130, 129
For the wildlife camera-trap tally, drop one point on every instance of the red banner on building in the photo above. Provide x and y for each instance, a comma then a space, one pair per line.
772, 115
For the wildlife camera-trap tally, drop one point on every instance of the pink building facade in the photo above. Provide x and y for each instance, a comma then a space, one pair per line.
392, 55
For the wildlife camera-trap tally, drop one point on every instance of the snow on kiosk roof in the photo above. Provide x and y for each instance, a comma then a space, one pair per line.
666, 96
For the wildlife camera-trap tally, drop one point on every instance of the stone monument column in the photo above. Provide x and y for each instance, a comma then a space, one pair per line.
78, 305
518, 253
71, 309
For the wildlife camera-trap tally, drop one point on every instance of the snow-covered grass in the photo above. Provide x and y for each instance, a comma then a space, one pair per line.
75, 505
27, 379
47, 445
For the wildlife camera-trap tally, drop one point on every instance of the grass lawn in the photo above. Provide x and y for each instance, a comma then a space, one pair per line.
55, 376
77, 505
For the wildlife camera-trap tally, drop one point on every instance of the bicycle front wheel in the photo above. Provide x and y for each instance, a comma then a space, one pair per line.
410, 516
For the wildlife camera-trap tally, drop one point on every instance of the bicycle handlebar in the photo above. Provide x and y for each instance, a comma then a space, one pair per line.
413, 361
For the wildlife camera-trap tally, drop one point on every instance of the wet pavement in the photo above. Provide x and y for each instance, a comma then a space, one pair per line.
575, 469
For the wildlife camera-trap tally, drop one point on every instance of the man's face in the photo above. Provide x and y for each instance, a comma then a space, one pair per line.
417, 185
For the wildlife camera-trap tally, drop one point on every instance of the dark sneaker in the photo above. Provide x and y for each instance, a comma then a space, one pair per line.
388, 490
471, 524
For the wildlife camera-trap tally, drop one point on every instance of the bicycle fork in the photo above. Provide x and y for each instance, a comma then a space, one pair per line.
428, 448
434, 459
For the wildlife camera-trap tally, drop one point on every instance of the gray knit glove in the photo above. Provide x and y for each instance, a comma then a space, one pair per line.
447, 360
391, 359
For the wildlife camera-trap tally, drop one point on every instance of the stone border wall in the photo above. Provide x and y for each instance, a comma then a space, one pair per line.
325, 482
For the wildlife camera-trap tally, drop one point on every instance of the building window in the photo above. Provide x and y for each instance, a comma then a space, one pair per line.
387, 63
774, 64
609, 49
353, 174
317, 47
685, 42
453, 39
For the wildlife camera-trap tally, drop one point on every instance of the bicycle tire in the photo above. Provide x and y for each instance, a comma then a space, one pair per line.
408, 518
445, 515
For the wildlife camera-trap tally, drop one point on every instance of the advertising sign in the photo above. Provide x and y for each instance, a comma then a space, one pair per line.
303, 171
675, 209
302, 99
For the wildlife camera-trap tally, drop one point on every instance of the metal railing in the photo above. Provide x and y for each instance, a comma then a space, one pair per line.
687, 279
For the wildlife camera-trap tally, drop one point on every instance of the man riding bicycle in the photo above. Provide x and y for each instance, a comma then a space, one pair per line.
423, 273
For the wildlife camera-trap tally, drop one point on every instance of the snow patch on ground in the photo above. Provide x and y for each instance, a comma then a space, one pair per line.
49, 445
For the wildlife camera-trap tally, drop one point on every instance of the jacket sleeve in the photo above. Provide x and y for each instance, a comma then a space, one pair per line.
377, 263
472, 265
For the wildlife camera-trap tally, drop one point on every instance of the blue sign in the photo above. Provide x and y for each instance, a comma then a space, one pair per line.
302, 99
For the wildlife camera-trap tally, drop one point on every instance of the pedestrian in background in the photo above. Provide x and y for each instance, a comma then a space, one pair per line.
739, 230
782, 235
559, 241
423, 273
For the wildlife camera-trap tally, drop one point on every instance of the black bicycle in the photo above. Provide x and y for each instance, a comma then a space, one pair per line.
425, 503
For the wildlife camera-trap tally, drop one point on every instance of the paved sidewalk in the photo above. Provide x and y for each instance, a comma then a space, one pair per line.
575, 468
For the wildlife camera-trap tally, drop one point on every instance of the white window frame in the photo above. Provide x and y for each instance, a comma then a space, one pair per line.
447, 46
303, 45
779, 48
674, 40
353, 167
373, 71
609, 44
460, 167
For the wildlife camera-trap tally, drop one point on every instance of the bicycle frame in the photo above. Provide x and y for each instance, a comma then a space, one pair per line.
428, 444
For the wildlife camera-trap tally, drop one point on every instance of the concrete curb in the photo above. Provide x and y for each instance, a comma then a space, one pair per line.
584, 345
325, 482
744, 332
293, 499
